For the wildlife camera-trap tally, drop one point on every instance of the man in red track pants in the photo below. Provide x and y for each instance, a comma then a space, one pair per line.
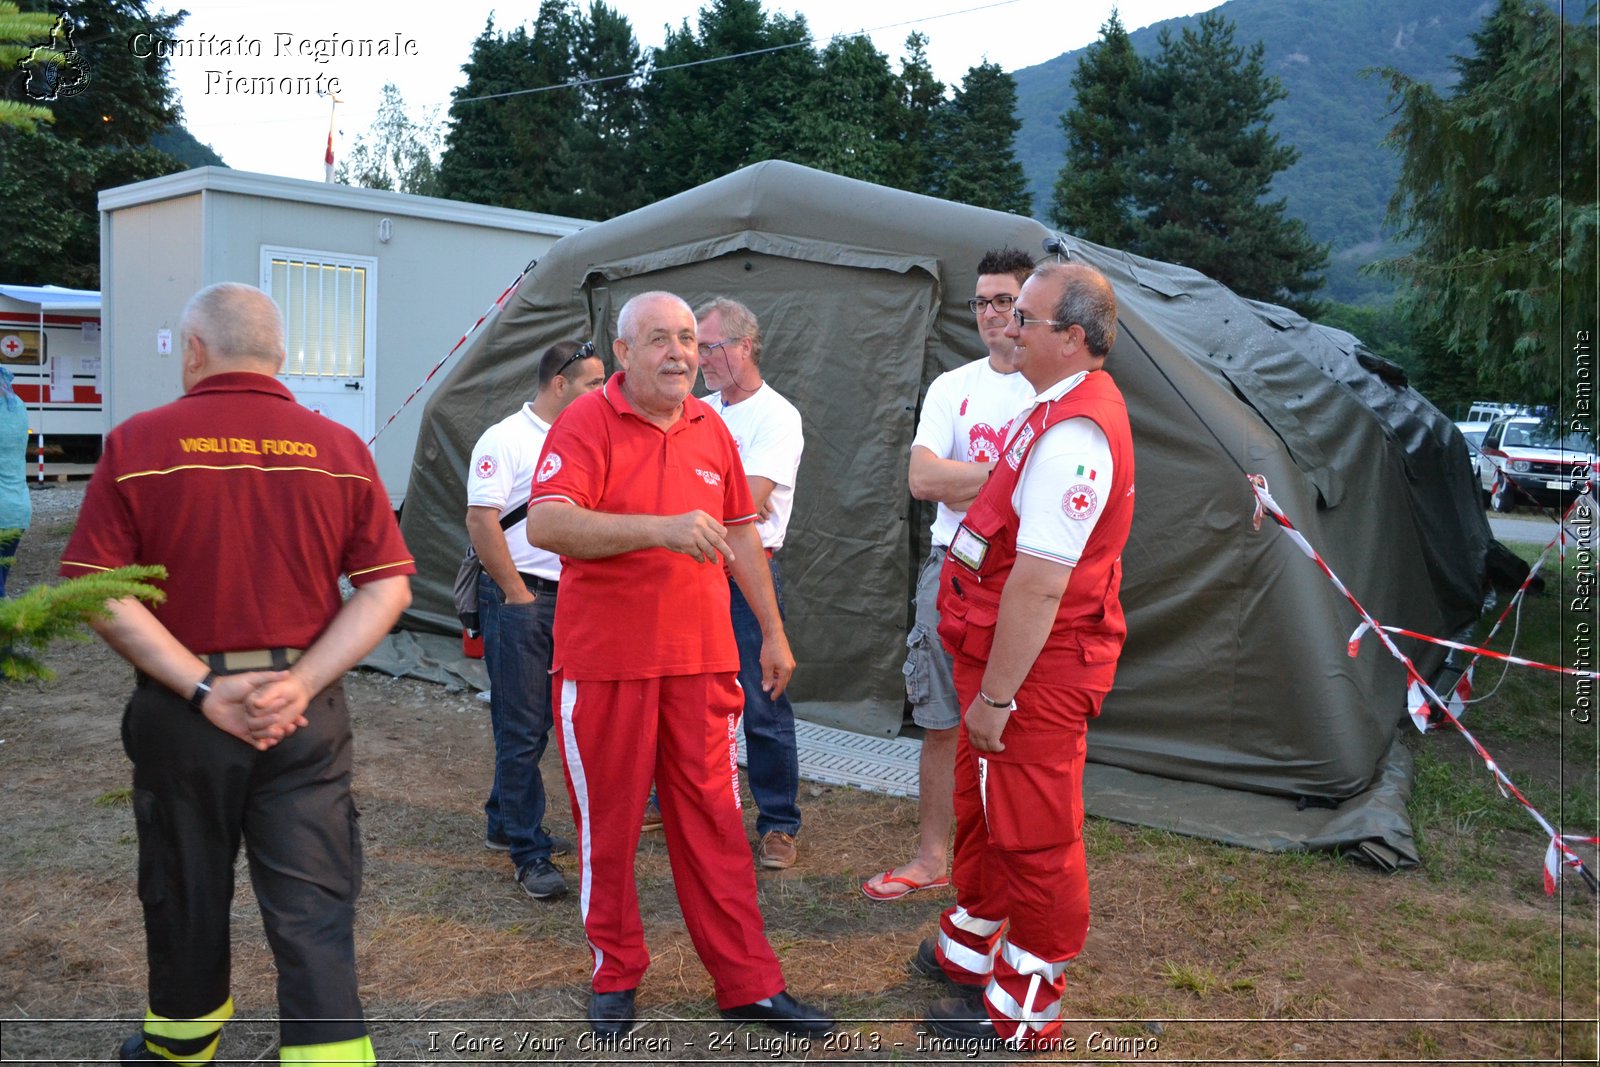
1030, 612
641, 492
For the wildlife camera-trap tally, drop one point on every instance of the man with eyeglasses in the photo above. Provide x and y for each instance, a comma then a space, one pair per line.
641, 491
766, 429
517, 606
964, 420
1029, 598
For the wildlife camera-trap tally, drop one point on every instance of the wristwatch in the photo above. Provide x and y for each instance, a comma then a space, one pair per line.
1010, 705
202, 691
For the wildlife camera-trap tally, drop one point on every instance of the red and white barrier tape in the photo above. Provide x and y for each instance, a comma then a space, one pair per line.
1477, 650
1420, 697
470, 331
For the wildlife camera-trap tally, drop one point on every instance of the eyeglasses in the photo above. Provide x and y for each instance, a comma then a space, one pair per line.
980, 304
585, 351
1023, 322
706, 350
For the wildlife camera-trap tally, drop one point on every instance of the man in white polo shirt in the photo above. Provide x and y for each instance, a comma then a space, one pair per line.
766, 427
517, 606
963, 424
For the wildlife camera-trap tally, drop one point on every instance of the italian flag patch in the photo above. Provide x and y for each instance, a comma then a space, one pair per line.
1086, 472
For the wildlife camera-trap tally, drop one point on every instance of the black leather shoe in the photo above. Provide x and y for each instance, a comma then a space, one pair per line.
784, 1014
611, 1014
926, 963
961, 1020
133, 1050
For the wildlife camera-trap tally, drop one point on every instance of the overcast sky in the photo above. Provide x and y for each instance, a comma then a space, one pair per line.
287, 133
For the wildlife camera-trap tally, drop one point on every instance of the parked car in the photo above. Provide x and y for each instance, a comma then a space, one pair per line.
1473, 432
1526, 459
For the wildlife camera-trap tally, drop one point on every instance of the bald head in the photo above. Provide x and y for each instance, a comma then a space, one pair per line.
634, 312
231, 327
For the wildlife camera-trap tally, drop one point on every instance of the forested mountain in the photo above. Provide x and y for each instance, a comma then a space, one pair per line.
1335, 116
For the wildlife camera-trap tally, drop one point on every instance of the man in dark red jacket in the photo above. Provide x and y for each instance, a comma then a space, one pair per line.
237, 728
1030, 613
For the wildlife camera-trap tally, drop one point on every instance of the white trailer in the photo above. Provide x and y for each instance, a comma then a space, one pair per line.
376, 288
50, 342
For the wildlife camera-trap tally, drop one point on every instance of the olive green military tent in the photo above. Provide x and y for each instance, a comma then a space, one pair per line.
1235, 683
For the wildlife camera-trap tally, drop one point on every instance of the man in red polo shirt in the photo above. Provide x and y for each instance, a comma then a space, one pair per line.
238, 726
641, 492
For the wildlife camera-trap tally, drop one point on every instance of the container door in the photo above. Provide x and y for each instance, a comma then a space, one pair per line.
329, 305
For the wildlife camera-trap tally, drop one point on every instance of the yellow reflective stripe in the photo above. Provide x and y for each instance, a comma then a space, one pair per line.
357, 1051
380, 567
238, 467
188, 1029
193, 1059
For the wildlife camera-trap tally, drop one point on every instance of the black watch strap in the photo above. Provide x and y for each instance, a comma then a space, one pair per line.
202, 690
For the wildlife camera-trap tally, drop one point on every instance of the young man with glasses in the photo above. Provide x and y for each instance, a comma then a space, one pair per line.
1030, 598
766, 428
963, 425
517, 605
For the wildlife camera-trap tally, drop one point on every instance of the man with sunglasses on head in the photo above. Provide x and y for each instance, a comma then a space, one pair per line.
964, 420
1031, 611
766, 429
517, 605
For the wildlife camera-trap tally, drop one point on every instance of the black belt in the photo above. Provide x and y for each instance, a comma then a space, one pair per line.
536, 584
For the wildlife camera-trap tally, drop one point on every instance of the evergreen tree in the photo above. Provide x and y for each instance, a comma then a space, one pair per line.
397, 153
711, 118
1498, 188
847, 121
975, 134
920, 96
598, 166
50, 179
514, 113
1207, 164
1093, 195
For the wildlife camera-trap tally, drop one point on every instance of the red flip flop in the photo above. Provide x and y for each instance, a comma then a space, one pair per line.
902, 886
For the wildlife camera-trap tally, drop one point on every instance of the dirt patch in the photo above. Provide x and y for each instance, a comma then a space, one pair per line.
1198, 952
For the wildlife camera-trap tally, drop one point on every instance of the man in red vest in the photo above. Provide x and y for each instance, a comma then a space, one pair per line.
1029, 609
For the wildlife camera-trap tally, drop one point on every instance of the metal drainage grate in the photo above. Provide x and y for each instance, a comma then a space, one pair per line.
839, 757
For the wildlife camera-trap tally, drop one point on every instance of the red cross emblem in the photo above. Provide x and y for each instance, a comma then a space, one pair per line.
485, 466
12, 345
1080, 502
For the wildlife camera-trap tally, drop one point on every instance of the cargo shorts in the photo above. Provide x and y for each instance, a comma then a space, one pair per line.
928, 670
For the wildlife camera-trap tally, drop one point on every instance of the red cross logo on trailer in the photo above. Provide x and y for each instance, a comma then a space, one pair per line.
1080, 501
486, 466
11, 345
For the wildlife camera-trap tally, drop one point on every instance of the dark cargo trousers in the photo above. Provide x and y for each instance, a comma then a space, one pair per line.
197, 792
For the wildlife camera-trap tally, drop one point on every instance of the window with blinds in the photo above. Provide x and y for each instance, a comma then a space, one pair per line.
325, 316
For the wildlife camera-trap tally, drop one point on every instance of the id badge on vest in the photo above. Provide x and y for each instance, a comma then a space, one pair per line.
968, 548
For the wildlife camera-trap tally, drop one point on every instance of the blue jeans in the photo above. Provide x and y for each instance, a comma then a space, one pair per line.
774, 758
517, 648
9, 540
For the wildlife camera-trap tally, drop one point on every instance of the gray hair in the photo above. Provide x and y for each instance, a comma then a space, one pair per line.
630, 310
1086, 299
237, 322
738, 322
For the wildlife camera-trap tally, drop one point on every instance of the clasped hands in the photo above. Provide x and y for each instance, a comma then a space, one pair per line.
260, 708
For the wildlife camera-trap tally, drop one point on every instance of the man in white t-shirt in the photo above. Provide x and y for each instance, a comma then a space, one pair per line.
766, 427
963, 425
517, 606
